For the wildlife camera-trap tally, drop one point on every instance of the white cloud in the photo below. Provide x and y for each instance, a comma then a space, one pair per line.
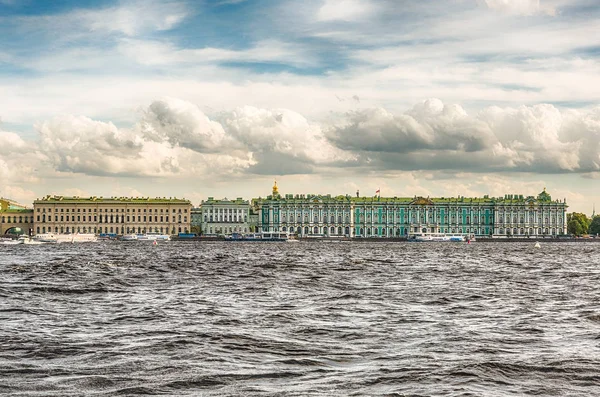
520, 7
435, 136
156, 53
11, 143
345, 10
131, 18
16, 193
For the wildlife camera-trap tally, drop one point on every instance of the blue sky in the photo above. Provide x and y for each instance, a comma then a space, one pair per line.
218, 98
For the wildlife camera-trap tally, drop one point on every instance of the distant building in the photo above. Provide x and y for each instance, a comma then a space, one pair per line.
324, 215
225, 216
196, 224
15, 218
114, 215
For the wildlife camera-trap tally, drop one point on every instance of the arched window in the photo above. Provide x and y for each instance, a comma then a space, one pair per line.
316, 230
339, 230
332, 230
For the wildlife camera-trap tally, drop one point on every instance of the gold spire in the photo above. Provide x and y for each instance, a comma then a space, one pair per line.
275, 189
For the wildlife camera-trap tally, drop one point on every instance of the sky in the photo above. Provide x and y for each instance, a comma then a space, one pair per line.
220, 98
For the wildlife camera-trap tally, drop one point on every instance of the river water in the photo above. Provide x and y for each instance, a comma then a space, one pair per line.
304, 319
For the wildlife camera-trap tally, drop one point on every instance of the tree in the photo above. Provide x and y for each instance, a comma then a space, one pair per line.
577, 223
595, 225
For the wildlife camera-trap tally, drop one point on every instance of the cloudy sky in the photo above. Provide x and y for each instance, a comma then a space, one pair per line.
219, 97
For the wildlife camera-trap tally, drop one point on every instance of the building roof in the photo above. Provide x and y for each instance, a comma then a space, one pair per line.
542, 199
224, 201
8, 204
110, 200
17, 211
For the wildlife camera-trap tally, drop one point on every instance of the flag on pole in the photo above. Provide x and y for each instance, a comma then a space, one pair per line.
377, 191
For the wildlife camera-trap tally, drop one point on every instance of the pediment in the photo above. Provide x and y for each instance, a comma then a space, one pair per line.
421, 201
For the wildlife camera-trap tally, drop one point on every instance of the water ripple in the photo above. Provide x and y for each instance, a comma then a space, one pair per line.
308, 319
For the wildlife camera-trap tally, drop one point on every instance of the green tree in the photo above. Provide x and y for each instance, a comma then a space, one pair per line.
595, 225
578, 223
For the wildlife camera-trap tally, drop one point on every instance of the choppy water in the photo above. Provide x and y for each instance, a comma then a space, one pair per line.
300, 319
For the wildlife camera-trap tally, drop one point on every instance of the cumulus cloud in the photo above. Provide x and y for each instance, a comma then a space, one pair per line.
430, 125
282, 140
175, 138
183, 124
436, 136
11, 143
79, 144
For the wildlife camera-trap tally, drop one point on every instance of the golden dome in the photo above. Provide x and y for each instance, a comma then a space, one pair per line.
275, 189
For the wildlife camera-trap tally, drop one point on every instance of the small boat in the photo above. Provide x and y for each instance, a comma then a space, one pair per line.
66, 238
537, 245
276, 236
261, 236
129, 237
10, 242
29, 241
153, 237
442, 237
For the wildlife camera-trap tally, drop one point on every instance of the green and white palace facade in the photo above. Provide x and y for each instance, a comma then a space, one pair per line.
388, 217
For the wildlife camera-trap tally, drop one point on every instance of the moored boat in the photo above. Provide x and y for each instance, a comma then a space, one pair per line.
29, 241
129, 237
65, 238
442, 237
153, 237
10, 241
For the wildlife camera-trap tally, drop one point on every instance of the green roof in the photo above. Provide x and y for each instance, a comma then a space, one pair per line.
110, 200
506, 200
237, 201
17, 211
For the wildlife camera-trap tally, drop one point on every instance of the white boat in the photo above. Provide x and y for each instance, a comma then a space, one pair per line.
66, 238
153, 237
443, 237
46, 238
277, 236
29, 241
10, 241
129, 237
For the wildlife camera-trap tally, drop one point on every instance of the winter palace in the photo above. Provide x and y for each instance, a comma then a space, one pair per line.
347, 216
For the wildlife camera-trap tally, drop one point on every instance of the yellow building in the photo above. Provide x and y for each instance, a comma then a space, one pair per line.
15, 218
114, 215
